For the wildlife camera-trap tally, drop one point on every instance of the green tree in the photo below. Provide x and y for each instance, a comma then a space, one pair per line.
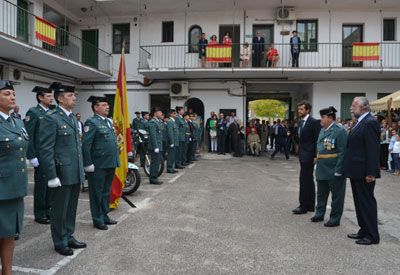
268, 108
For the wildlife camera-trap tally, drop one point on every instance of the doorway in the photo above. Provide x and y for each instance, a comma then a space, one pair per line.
234, 30
266, 31
162, 101
351, 34
90, 43
195, 105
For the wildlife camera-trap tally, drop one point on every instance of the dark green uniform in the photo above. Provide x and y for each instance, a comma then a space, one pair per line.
187, 141
180, 122
41, 193
164, 138
135, 124
172, 144
143, 125
155, 142
100, 148
13, 176
60, 154
331, 149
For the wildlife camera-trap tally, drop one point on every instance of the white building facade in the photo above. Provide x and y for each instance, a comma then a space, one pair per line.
161, 38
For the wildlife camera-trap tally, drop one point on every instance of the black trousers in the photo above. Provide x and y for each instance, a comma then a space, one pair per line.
295, 59
209, 141
272, 139
221, 143
256, 59
307, 186
366, 208
236, 146
279, 146
384, 155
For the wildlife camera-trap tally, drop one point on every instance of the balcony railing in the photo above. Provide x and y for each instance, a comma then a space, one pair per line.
312, 56
20, 24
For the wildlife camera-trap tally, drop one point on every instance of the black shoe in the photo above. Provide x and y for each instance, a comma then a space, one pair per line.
172, 172
73, 243
331, 224
365, 241
65, 251
317, 219
42, 220
271, 157
101, 226
156, 182
110, 222
299, 211
355, 236
287, 158
179, 167
311, 209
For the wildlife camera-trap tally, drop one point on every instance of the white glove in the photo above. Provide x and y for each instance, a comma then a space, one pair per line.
190, 139
89, 168
34, 162
157, 150
172, 146
54, 183
130, 154
337, 174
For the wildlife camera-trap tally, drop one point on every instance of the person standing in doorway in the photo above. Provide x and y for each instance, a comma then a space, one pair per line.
258, 50
295, 43
202, 44
308, 132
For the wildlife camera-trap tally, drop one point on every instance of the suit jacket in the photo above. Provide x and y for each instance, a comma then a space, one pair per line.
234, 130
363, 149
60, 152
221, 127
282, 134
258, 45
13, 170
292, 44
308, 140
32, 122
99, 144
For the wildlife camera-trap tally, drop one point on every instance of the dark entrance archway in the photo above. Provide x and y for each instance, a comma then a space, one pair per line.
195, 105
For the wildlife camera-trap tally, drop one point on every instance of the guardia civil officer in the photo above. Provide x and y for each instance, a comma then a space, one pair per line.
100, 158
331, 150
155, 144
13, 175
41, 192
172, 142
180, 122
189, 139
142, 125
60, 153
135, 122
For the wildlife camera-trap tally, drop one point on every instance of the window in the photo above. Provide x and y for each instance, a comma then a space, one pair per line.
194, 36
308, 33
389, 29
121, 34
168, 31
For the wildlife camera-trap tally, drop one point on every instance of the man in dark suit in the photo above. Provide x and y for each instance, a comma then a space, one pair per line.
221, 134
295, 43
234, 130
280, 139
362, 167
258, 49
308, 132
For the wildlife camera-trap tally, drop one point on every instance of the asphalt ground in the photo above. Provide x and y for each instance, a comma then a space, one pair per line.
222, 215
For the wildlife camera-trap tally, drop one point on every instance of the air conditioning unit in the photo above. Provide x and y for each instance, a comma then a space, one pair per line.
179, 89
285, 14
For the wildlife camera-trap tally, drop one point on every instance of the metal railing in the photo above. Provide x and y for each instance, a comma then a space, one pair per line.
19, 24
311, 56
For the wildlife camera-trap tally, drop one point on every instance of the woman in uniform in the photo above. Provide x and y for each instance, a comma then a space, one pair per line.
13, 175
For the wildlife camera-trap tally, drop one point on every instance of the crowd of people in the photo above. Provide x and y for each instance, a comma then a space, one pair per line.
251, 55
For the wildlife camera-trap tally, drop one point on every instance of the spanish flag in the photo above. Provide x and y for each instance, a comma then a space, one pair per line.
365, 51
45, 31
123, 131
219, 53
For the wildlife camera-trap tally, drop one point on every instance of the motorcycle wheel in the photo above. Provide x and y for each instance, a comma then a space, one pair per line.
132, 183
147, 161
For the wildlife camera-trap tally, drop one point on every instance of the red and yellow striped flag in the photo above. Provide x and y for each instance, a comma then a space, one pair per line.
365, 51
45, 31
219, 53
122, 128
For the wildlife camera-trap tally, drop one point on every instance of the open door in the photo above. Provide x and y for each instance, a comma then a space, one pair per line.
234, 30
90, 43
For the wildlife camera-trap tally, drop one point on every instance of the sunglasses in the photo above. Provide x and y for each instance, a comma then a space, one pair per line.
6, 85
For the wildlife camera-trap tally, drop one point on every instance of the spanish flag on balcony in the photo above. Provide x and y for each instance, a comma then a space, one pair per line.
365, 51
123, 131
45, 31
219, 53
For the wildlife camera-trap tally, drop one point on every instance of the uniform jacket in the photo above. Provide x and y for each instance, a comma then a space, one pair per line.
363, 145
282, 134
155, 135
143, 124
180, 122
60, 152
99, 144
172, 133
332, 141
188, 131
135, 124
13, 170
196, 131
308, 140
32, 122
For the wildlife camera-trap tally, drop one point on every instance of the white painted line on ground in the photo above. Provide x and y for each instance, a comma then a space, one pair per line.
176, 177
62, 263
140, 205
28, 270
192, 165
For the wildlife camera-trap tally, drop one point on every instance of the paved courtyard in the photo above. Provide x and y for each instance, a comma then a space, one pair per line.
219, 216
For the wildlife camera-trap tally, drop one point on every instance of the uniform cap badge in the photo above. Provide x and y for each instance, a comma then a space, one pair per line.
27, 118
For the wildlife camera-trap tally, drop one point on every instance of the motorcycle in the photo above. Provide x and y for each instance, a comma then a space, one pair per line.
133, 178
141, 143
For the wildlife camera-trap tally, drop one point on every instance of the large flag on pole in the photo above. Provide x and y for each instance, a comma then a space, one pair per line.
123, 131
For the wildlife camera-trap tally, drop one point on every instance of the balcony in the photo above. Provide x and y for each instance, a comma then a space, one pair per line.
322, 61
30, 40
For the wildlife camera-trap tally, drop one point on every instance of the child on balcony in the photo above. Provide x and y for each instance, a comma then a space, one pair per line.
245, 56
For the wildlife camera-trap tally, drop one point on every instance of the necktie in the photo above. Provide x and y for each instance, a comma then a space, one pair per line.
354, 125
11, 121
301, 125
71, 116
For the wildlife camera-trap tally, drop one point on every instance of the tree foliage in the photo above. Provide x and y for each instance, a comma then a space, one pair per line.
268, 108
